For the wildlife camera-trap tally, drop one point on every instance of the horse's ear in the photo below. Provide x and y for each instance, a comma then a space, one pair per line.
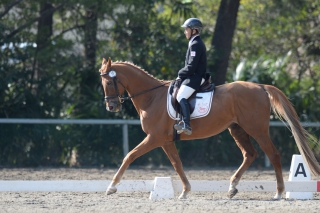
109, 62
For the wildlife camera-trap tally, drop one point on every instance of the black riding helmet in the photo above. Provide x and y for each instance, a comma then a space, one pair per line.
193, 23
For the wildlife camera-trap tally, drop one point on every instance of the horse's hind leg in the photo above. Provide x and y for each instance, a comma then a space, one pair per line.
274, 157
172, 153
249, 153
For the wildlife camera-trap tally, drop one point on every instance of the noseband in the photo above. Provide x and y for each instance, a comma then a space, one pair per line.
121, 98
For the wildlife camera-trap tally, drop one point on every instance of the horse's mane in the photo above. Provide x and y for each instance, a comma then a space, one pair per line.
144, 71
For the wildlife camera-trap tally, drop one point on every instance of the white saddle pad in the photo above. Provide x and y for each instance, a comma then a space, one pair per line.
202, 107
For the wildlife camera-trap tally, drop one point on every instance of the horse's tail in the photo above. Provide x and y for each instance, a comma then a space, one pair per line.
283, 108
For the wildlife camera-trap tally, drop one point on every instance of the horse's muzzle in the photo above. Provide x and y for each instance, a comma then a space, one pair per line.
113, 107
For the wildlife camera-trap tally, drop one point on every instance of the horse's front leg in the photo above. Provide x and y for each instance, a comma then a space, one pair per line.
171, 151
145, 146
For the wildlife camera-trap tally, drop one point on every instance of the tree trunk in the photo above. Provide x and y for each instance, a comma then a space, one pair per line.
90, 48
43, 40
222, 39
90, 39
89, 75
44, 26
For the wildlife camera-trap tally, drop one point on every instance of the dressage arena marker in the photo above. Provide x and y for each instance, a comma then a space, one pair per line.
162, 188
299, 171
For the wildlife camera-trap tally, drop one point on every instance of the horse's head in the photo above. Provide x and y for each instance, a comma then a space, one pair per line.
112, 91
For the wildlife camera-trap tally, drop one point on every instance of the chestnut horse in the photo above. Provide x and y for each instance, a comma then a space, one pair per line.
242, 107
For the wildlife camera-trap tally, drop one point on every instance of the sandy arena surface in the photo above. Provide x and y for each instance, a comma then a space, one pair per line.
139, 201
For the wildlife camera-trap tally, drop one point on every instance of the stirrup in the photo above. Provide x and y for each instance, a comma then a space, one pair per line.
181, 127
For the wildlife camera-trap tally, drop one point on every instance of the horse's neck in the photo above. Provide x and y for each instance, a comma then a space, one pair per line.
139, 81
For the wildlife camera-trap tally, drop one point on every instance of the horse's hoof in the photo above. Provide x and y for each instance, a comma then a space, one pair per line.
183, 196
277, 197
111, 190
232, 193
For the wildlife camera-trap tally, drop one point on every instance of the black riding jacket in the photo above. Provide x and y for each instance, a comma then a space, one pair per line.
195, 64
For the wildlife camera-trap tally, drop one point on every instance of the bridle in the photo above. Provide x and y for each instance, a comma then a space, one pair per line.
121, 98
117, 95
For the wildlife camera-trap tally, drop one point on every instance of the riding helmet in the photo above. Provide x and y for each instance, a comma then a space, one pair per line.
193, 23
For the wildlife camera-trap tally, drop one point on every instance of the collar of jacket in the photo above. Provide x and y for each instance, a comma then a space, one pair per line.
191, 40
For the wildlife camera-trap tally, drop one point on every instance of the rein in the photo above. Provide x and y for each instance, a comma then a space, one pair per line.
144, 91
121, 98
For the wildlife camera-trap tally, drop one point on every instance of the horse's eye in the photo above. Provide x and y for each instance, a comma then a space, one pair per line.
109, 83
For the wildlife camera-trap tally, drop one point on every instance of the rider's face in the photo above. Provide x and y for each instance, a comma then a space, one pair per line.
187, 32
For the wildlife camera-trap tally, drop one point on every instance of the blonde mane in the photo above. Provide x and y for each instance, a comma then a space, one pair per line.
137, 67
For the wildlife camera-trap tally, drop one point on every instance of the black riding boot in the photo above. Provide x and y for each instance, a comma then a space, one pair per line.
184, 125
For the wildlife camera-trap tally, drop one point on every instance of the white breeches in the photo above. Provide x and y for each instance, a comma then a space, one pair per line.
185, 92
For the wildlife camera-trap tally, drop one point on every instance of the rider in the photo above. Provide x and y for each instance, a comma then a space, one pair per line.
193, 73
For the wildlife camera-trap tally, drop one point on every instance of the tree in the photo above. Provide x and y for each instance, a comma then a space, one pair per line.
222, 39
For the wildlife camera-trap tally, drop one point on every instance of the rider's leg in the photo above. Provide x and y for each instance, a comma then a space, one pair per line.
185, 111
184, 126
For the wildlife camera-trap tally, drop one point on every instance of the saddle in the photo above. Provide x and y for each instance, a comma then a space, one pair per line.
207, 86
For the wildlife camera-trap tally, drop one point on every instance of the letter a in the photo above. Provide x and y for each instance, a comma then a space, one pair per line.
302, 170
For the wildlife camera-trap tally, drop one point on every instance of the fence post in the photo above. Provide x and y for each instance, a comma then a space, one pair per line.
125, 139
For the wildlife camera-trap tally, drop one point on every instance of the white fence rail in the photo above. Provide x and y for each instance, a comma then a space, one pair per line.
124, 123
148, 185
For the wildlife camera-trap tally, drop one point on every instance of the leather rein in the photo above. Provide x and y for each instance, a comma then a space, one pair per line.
122, 98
